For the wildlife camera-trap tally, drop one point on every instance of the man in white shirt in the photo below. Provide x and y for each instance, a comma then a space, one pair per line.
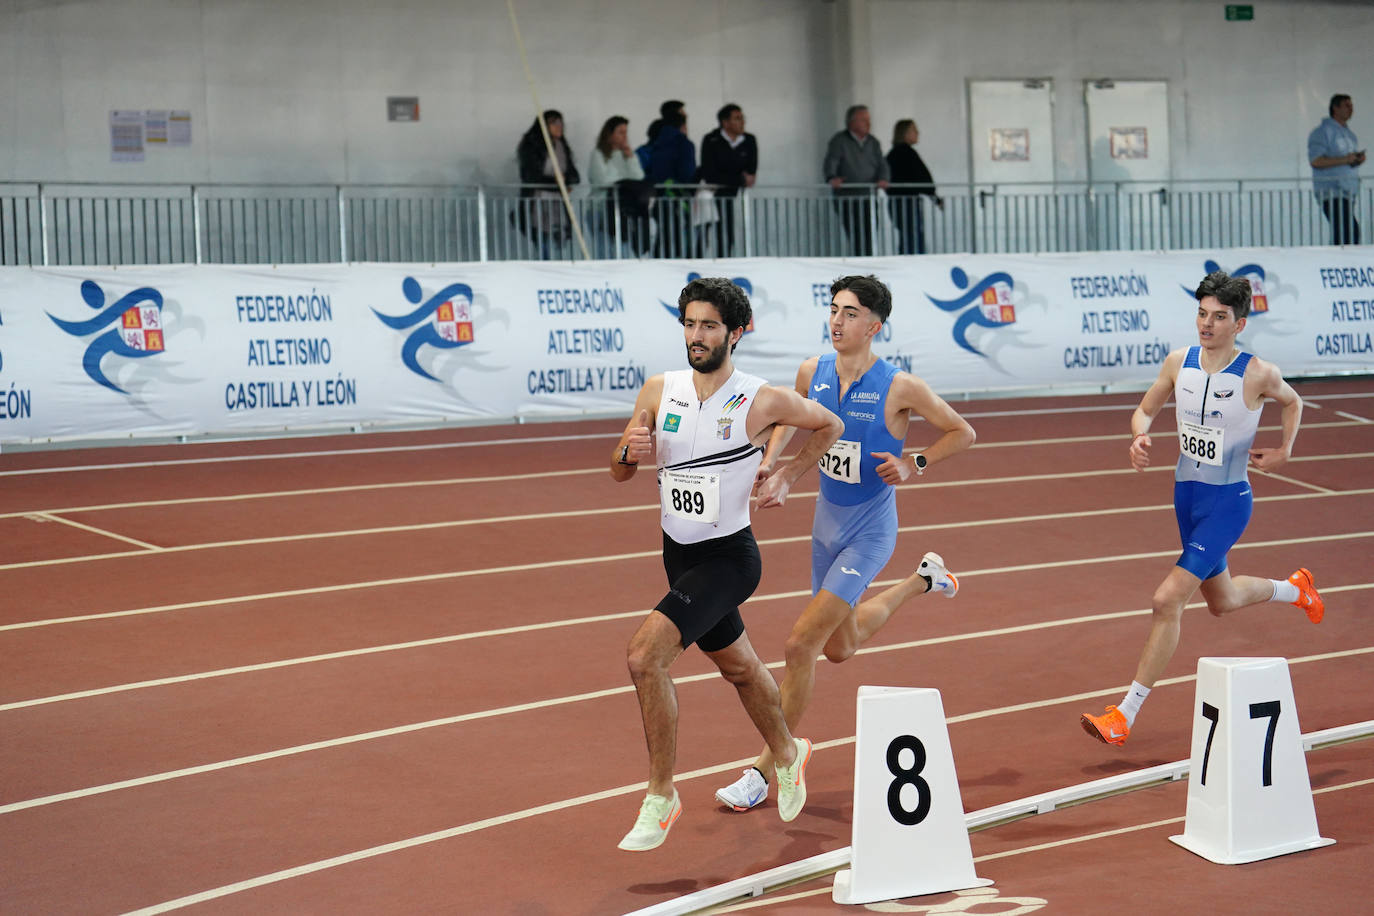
706, 427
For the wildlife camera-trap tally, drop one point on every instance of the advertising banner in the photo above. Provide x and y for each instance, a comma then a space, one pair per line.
99, 353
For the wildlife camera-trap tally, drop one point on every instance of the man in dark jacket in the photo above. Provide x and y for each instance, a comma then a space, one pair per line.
673, 160
729, 161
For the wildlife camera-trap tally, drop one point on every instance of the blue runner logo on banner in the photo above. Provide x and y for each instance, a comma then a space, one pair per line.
987, 305
1259, 299
450, 322
742, 282
135, 328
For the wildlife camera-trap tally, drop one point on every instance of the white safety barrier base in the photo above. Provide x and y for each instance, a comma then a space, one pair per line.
758, 884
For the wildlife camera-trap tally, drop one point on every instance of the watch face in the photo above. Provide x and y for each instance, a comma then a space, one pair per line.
921, 461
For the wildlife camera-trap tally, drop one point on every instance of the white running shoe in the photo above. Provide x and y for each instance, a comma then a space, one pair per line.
744, 793
656, 817
941, 580
792, 782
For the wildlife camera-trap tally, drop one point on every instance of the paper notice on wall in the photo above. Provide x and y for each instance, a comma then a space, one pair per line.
126, 136
179, 128
155, 127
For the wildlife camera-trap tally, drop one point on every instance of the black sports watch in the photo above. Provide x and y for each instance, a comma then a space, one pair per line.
920, 464
624, 454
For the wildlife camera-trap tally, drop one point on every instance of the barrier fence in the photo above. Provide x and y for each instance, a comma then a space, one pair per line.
101, 224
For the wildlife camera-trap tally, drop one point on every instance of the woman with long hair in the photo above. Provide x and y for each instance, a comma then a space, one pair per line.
543, 215
910, 179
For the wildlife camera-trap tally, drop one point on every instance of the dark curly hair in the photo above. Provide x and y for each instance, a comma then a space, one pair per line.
871, 292
731, 301
1230, 291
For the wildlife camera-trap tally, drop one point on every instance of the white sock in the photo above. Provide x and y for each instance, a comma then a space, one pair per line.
1284, 591
1131, 703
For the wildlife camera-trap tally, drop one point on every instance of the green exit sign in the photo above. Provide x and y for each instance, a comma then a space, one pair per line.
1240, 12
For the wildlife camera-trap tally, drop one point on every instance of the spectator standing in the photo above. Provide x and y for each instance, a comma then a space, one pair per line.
1334, 153
910, 180
854, 161
729, 161
673, 161
614, 169
542, 216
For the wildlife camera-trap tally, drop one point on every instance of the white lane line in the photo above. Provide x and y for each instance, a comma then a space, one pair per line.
52, 517
314, 491
512, 478
500, 442
497, 712
459, 523
553, 807
1297, 483
583, 621
324, 453
1351, 416
431, 577
431, 446
1125, 439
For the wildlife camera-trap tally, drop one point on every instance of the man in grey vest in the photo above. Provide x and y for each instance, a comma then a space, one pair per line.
853, 164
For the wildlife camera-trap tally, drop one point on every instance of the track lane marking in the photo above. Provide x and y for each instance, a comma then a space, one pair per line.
509, 478
769, 900
579, 621
552, 564
590, 798
572, 513
497, 712
54, 517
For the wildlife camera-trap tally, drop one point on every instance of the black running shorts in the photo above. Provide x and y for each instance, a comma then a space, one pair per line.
707, 583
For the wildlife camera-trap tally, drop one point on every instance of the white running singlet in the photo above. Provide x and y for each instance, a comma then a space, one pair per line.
706, 463
1215, 428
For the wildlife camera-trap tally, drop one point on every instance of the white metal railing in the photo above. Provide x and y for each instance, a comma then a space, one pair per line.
86, 223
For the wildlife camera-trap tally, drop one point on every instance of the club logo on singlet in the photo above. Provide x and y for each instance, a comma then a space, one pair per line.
671, 423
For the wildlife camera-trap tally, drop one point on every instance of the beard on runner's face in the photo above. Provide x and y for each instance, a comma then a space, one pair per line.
710, 360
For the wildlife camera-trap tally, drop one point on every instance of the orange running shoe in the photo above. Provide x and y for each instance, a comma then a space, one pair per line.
1309, 599
1109, 728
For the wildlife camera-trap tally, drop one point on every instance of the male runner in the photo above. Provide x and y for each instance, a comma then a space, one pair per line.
1219, 391
855, 530
711, 423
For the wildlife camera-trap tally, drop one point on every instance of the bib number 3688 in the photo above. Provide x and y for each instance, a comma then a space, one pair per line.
1200, 443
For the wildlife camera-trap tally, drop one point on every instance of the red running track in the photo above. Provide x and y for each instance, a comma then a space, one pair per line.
386, 673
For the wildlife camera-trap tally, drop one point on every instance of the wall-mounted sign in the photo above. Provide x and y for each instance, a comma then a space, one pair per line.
1130, 143
1009, 144
403, 108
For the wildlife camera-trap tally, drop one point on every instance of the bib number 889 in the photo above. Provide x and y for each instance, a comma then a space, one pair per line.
688, 501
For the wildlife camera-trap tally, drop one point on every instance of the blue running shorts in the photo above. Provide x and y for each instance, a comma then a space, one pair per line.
850, 545
1211, 518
